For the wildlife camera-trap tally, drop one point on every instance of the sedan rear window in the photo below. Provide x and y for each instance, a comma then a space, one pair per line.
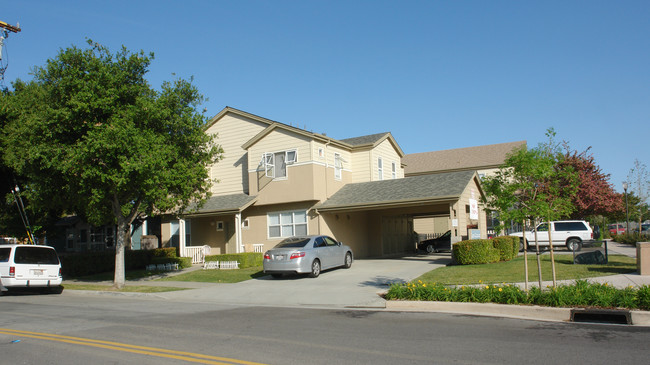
293, 242
36, 255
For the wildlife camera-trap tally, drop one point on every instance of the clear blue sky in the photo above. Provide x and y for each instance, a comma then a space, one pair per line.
437, 74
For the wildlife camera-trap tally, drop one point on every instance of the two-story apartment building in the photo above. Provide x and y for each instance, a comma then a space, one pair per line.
277, 180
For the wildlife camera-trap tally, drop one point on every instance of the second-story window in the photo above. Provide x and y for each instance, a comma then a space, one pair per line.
275, 163
380, 168
338, 166
394, 170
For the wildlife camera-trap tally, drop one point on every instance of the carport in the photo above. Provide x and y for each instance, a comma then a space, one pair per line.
376, 218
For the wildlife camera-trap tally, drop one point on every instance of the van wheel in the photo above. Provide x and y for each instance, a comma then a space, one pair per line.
521, 245
574, 245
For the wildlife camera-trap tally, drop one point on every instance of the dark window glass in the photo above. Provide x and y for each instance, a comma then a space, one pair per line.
319, 242
570, 226
36, 255
4, 254
293, 242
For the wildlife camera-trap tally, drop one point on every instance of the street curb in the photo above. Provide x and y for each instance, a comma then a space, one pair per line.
537, 313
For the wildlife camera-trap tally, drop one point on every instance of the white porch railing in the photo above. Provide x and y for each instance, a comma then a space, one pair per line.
258, 247
197, 253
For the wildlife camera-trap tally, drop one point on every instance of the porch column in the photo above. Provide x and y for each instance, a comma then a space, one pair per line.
238, 239
181, 238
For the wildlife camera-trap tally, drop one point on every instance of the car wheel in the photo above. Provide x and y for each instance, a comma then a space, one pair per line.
521, 245
348, 260
276, 276
315, 269
431, 249
573, 245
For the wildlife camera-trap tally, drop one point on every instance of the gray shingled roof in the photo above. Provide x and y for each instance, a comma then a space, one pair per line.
225, 204
437, 187
469, 158
363, 140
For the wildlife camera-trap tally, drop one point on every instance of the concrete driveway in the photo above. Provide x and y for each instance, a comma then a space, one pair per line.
355, 287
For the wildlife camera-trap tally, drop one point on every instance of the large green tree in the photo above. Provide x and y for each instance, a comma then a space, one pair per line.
93, 137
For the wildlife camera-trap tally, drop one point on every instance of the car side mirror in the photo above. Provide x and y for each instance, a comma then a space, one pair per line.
340, 243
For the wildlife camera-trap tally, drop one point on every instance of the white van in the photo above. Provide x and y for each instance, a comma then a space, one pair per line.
30, 266
572, 234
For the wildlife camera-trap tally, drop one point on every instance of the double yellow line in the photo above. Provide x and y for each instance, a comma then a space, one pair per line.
150, 351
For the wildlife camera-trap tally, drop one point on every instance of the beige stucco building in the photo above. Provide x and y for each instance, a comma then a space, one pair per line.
276, 180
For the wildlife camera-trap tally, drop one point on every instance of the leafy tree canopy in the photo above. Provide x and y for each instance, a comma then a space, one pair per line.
92, 137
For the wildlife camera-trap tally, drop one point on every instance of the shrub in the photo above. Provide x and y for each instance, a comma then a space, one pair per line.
183, 262
475, 252
628, 238
579, 294
247, 259
508, 247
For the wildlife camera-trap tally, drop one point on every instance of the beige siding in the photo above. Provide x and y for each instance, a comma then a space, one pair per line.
233, 131
389, 155
471, 192
361, 166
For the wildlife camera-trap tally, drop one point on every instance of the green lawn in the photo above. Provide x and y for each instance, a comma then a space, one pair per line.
218, 276
513, 271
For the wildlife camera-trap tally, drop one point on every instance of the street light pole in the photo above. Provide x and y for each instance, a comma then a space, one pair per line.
627, 216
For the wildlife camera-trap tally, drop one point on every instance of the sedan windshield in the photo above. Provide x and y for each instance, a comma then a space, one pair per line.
293, 242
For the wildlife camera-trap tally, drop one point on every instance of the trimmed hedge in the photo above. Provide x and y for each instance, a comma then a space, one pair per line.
183, 262
508, 247
485, 251
475, 252
247, 259
90, 263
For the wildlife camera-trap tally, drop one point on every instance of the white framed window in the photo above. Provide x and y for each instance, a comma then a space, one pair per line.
393, 170
321, 153
287, 224
380, 168
338, 166
245, 224
275, 163
219, 225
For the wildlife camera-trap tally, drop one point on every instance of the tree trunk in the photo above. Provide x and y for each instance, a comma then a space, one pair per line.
550, 247
525, 257
122, 227
539, 264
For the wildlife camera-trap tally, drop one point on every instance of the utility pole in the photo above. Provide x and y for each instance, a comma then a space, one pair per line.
4, 33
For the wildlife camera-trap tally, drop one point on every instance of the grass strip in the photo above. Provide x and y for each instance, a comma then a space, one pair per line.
513, 271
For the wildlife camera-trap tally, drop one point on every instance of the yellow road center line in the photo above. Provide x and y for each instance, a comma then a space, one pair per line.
152, 351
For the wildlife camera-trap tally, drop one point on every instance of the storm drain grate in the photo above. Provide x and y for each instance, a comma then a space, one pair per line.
611, 316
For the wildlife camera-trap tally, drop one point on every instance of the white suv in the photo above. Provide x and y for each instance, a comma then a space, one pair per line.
572, 234
30, 266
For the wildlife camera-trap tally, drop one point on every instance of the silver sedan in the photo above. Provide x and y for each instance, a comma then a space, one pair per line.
306, 254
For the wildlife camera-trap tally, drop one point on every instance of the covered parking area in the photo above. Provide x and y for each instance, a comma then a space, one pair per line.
377, 218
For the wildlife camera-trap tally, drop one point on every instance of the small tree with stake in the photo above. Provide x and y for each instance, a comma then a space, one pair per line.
91, 136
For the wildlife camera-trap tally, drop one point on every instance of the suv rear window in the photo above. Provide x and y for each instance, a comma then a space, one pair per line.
4, 254
36, 255
570, 226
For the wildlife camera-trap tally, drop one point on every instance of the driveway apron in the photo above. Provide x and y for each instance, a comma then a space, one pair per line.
358, 286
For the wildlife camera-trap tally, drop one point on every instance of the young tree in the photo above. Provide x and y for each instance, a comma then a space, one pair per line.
532, 185
639, 180
94, 138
